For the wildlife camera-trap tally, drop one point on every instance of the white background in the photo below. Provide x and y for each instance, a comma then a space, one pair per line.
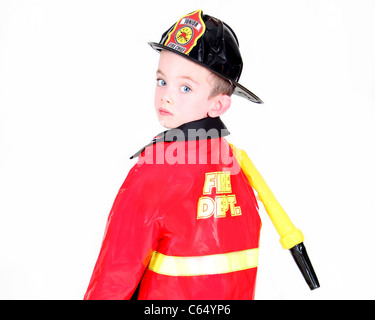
76, 100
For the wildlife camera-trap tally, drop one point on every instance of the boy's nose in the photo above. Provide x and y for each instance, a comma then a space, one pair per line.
167, 99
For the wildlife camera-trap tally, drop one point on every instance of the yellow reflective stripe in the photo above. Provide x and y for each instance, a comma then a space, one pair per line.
203, 265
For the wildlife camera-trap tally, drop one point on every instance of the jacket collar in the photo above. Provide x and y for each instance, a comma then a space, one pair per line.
206, 128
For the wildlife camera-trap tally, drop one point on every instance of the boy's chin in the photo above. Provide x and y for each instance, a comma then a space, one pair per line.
166, 125
169, 123
174, 124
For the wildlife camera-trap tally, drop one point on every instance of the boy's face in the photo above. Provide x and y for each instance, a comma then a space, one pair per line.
182, 90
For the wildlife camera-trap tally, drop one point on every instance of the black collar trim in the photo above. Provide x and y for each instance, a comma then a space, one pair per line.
206, 128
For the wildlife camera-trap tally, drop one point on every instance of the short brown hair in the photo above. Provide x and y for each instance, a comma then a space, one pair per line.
220, 86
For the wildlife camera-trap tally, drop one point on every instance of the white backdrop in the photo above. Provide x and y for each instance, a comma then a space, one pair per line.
76, 100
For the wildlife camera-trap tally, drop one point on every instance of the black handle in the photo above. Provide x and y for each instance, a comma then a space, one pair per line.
302, 260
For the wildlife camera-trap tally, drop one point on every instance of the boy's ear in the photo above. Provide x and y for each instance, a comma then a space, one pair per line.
219, 105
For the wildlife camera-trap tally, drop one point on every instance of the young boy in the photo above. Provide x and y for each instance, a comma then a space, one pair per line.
185, 222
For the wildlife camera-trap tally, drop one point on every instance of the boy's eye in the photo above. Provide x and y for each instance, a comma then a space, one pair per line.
161, 82
185, 89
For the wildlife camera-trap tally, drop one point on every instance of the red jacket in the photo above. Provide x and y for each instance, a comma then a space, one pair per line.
184, 225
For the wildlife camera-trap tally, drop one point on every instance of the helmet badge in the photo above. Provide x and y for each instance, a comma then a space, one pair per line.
186, 32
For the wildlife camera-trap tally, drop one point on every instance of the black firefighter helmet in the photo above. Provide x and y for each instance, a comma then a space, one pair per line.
209, 42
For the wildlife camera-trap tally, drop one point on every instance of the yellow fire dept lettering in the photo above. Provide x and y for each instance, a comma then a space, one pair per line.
206, 207
235, 211
218, 180
217, 207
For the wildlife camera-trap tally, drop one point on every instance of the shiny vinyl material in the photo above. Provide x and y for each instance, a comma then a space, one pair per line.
185, 222
170, 214
216, 49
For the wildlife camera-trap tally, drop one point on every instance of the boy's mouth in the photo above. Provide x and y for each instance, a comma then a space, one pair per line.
164, 112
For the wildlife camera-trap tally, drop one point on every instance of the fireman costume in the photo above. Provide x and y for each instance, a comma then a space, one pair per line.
185, 222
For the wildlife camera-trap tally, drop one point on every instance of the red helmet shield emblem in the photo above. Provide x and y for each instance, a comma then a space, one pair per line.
186, 32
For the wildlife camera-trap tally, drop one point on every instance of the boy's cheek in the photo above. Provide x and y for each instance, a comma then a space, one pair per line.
156, 100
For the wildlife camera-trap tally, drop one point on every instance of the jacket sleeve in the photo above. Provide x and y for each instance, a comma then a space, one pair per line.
130, 237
